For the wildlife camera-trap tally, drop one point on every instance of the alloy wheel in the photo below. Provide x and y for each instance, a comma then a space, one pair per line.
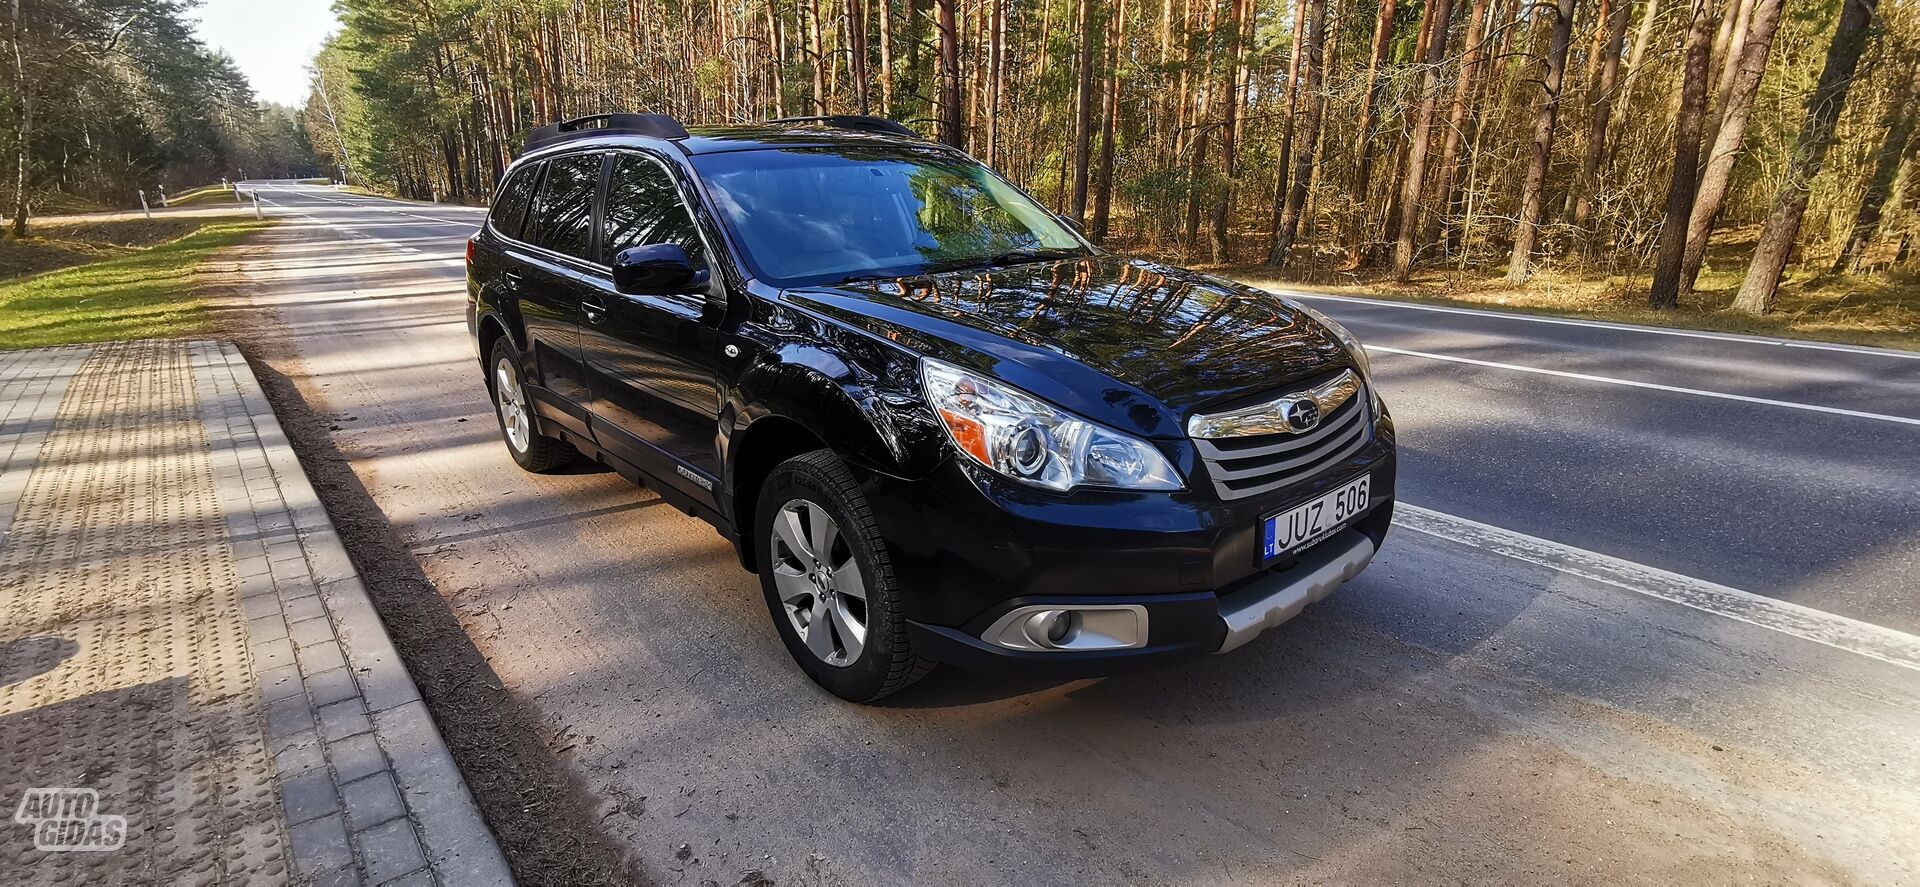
819, 583
513, 405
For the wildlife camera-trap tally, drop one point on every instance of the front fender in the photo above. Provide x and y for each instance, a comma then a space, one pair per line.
862, 397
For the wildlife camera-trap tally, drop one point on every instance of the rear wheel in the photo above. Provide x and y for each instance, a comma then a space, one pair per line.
530, 449
829, 583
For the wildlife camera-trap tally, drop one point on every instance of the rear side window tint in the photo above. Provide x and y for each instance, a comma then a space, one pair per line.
511, 206
563, 219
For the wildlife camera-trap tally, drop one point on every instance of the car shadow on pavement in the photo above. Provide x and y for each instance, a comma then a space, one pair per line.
31, 656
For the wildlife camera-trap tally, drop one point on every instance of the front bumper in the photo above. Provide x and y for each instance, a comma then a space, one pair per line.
970, 548
1180, 626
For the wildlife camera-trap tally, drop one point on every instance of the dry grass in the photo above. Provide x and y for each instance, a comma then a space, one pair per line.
1865, 309
51, 246
202, 196
1861, 310
52, 203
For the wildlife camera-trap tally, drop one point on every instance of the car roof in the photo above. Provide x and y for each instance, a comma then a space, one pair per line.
748, 137
744, 137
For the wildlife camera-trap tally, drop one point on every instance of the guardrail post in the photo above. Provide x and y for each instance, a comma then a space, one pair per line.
143, 204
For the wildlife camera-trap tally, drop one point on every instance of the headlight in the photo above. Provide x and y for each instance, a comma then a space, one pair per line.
1028, 440
1347, 339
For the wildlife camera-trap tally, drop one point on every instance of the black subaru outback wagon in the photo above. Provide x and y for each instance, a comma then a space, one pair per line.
937, 422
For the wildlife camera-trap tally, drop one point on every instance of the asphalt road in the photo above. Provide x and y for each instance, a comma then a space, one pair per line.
1627, 633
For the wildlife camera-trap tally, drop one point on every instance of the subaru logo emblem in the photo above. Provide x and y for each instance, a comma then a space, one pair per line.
1302, 415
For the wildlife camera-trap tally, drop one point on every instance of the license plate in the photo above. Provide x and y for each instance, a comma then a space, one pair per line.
1306, 524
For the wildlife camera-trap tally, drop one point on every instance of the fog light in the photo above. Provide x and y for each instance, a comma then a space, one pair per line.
1055, 628
1058, 625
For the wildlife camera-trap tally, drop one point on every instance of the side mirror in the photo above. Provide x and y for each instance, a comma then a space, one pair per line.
656, 269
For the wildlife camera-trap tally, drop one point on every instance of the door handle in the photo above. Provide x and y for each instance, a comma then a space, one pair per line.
593, 310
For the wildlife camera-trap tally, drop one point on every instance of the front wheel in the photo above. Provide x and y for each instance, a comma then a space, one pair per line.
829, 582
530, 449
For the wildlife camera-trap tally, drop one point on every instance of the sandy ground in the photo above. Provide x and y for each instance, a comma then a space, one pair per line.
1452, 714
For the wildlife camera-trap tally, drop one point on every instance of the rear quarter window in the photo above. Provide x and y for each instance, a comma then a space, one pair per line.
510, 207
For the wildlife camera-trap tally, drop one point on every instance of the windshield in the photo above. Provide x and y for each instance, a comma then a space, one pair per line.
808, 216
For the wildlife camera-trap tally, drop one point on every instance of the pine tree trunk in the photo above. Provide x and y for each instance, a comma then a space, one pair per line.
883, 10
1308, 149
952, 131
1283, 167
1109, 115
1898, 124
1775, 249
1203, 138
776, 36
1641, 38
1602, 118
857, 48
1083, 114
22, 127
1533, 190
817, 50
1471, 63
1413, 183
1736, 45
996, 41
1717, 176
1363, 135
1240, 21
1686, 157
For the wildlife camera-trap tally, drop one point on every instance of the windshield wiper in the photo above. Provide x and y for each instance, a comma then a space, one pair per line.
1022, 256
1010, 257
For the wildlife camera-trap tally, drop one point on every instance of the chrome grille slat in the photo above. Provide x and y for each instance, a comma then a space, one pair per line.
1275, 460
1336, 425
1229, 493
1221, 472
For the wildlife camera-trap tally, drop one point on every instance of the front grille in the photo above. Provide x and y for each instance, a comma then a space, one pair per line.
1248, 466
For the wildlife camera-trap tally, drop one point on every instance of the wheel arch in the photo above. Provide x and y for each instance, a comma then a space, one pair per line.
489, 330
810, 402
754, 453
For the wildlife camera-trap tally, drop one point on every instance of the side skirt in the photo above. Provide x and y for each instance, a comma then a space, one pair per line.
638, 477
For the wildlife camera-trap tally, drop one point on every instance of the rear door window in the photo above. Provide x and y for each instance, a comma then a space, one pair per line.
563, 218
510, 207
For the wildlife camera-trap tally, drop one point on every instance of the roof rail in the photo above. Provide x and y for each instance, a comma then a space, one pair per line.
659, 126
858, 122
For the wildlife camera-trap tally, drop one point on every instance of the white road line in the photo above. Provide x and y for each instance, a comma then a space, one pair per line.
1607, 325
1632, 383
1806, 623
377, 205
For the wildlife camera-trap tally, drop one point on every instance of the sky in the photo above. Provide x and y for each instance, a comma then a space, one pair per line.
271, 41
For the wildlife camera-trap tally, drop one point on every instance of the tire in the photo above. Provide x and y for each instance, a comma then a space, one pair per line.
803, 598
529, 448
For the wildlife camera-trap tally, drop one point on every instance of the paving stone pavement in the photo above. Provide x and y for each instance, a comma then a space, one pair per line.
186, 648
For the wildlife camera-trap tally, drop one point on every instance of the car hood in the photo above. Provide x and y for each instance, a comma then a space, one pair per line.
1132, 344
